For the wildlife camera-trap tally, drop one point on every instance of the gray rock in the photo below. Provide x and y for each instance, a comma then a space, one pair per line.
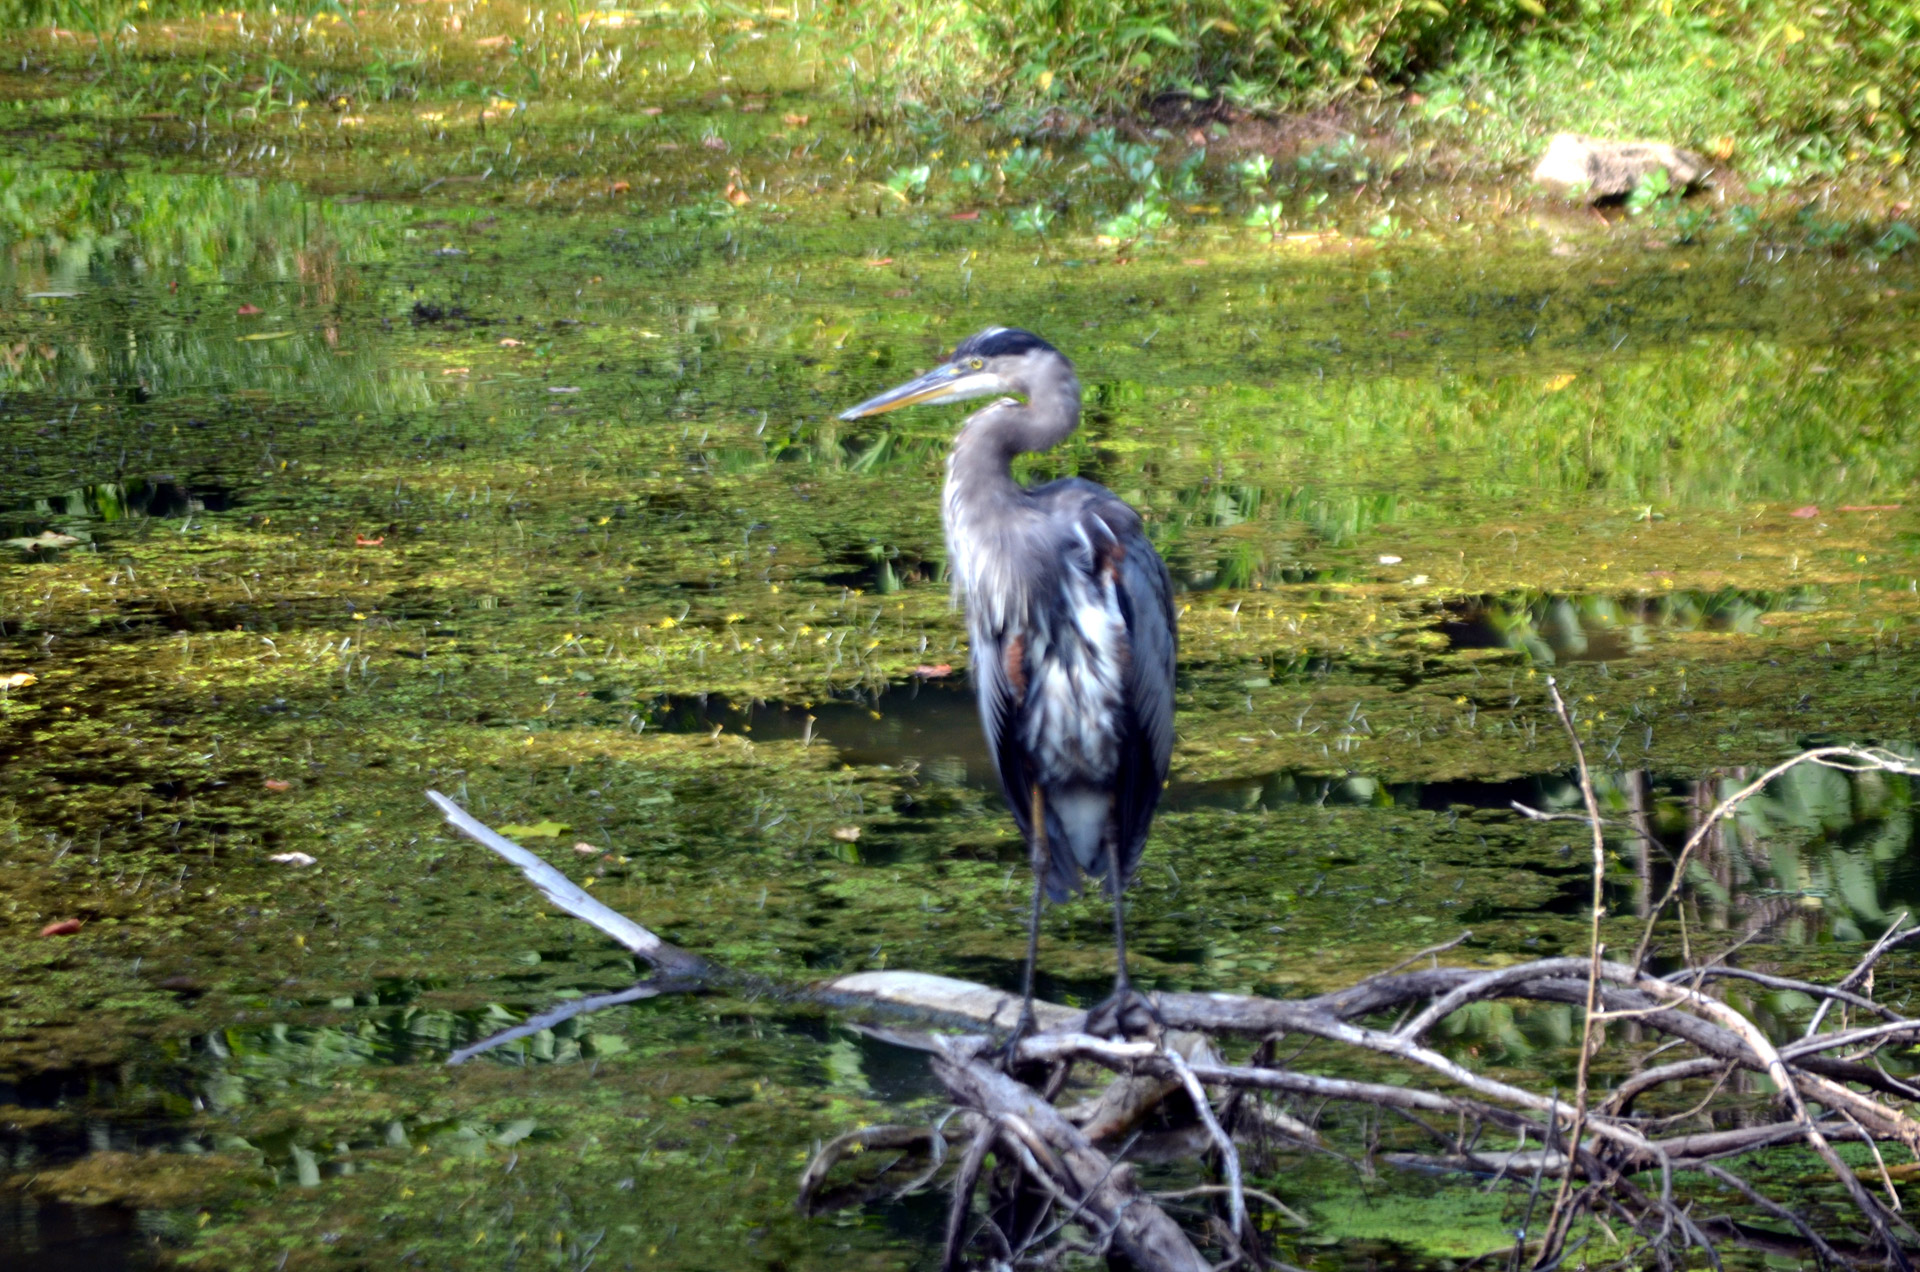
1599, 169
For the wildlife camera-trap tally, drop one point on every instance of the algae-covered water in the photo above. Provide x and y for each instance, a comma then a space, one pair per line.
487, 443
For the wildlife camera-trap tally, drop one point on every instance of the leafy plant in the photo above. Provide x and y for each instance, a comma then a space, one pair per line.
1775, 176
1268, 216
1254, 172
1134, 161
1186, 176
1898, 237
1386, 227
1142, 218
1032, 220
909, 183
1445, 105
1022, 163
1653, 192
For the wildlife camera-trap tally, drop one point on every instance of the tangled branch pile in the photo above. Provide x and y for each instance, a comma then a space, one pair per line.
1057, 1157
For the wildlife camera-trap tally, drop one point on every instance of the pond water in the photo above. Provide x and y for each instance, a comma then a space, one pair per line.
333, 474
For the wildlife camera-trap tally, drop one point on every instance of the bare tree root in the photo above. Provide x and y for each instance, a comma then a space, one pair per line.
1057, 1166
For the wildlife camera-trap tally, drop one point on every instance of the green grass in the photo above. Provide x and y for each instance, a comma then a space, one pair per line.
1760, 79
1782, 91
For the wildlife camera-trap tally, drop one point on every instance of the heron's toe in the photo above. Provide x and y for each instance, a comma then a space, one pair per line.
1127, 1014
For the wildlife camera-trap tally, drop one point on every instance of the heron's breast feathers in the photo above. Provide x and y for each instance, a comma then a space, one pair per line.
1074, 651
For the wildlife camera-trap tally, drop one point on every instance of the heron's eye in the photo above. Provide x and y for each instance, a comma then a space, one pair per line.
975, 363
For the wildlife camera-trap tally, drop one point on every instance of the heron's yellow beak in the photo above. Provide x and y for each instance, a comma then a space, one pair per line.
950, 383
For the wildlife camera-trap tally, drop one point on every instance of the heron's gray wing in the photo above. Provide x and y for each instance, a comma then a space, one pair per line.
997, 663
1145, 594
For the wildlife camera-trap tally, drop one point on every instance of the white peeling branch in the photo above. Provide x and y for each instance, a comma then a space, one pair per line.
570, 896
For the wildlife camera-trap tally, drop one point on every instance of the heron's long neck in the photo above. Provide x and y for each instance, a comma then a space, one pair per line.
979, 471
983, 503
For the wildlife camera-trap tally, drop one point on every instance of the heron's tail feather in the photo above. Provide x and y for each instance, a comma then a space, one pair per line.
1079, 819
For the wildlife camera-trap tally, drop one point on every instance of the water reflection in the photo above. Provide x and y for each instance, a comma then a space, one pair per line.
80, 512
1596, 627
1819, 854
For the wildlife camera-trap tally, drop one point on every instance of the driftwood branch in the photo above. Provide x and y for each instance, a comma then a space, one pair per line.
1039, 1172
570, 896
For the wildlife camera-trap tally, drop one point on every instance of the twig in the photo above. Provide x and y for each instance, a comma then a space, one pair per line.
1037, 1142
1535, 814
861, 1140
1559, 1217
1229, 1156
567, 1011
1774, 1208
961, 1203
1431, 950
1831, 994
1214, 1190
1888, 939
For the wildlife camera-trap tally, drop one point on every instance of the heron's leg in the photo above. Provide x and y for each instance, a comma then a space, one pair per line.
1122, 985
1040, 862
1125, 1013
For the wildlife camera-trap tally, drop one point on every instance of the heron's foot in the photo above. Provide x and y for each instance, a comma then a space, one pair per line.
1127, 1013
1009, 1051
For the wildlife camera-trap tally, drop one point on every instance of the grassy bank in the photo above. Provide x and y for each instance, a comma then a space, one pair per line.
1768, 86
1819, 87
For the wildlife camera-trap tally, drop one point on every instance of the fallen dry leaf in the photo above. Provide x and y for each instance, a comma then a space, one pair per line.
18, 680
619, 187
1559, 382
64, 927
585, 849
792, 120
510, 343
361, 541
277, 784
1806, 513
535, 830
875, 264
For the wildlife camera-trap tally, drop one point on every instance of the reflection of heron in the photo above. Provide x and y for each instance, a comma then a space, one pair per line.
1070, 614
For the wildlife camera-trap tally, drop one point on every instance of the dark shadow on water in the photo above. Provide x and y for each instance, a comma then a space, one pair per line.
49, 1236
931, 723
934, 726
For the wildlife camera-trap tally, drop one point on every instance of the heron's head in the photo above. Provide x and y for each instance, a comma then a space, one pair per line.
998, 360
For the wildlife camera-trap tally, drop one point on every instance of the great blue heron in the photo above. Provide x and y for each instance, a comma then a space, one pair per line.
1070, 614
